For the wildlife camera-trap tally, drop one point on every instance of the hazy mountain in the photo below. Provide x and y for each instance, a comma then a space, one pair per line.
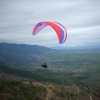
22, 49
86, 47
21, 53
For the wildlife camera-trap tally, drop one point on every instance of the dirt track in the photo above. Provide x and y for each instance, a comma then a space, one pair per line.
48, 91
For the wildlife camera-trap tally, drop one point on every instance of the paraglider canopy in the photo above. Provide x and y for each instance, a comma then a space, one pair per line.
44, 65
59, 29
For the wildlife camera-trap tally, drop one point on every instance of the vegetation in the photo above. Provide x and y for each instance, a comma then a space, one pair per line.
14, 89
85, 81
71, 75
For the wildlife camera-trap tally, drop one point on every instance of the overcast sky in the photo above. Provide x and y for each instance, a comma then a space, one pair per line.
81, 19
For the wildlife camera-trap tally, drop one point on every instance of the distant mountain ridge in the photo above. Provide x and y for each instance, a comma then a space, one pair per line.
86, 47
21, 54
22, 48
31, 55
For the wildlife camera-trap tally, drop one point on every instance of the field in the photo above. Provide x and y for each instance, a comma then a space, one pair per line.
80, 68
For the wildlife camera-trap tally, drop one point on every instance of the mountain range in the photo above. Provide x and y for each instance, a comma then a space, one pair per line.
20, 53
23, 54
85, 47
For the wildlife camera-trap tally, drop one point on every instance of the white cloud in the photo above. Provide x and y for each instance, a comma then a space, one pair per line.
81, 19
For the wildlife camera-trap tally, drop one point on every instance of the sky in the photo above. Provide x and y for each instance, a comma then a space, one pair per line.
81, 18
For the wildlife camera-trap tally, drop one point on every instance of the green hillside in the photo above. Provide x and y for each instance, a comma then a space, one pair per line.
12, 88
65, 68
